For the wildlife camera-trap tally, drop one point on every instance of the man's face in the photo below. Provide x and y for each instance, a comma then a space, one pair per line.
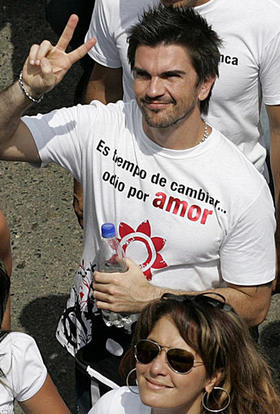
165, 85
180, 3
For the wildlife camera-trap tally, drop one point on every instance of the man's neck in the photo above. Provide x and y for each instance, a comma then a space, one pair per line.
181, 136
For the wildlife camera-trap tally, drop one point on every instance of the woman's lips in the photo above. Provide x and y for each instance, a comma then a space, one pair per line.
155, 385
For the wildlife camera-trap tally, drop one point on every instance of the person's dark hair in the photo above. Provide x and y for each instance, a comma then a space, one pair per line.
4, 289
182, 26
223, 342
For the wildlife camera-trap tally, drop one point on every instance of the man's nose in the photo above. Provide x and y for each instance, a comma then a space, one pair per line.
155, 87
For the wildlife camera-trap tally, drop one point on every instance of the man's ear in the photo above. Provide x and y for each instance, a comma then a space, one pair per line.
214, 380
205, 88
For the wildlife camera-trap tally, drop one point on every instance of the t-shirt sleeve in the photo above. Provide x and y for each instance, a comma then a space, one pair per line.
101, 27
269, 72
28, 369
248, 252
60, 136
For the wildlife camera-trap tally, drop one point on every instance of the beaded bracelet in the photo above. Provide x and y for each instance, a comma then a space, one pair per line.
21, 84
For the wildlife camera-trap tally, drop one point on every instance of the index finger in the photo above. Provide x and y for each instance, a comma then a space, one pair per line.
67, 33
81, 51
102, 277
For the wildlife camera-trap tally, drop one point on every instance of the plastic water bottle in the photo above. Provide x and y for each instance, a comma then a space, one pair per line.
110, 259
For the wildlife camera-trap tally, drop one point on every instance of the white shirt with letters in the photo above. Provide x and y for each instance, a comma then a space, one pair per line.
192, 219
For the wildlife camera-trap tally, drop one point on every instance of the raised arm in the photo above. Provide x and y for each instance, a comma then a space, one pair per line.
43, 69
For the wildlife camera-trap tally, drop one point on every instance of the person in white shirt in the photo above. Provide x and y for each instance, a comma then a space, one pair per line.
23, 375
156, 169
249, 68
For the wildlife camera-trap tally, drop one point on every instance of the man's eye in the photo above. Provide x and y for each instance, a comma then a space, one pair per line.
171, 75
141, 75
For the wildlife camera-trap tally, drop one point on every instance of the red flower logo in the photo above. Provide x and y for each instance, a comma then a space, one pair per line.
141, 245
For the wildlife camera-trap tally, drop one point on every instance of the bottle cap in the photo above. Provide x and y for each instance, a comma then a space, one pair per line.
108, 230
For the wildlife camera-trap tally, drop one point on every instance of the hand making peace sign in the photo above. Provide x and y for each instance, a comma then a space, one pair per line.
46, 64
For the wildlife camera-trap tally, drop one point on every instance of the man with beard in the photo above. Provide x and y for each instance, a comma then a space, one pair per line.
191, 212
249, 68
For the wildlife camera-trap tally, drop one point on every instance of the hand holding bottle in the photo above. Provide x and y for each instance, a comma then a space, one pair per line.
111, 259
128, 292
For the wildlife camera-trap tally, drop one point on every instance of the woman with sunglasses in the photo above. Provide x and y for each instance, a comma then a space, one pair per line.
192, 355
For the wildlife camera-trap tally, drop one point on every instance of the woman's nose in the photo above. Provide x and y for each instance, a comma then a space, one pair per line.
159, 365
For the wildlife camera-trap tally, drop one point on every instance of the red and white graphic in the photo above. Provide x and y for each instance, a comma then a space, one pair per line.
142, 247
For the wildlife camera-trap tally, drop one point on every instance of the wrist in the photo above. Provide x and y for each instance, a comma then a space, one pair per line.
155, 293
23, 87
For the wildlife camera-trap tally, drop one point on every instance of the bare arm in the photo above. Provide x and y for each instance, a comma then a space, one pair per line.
6, 257
131, 292
105, 85
274, 124
16, 142
44, 68
46, 401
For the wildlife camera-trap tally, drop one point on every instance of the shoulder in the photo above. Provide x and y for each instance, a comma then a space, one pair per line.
22, 365
230, 153
253, 17
15, 349
235, 169
115, 109
264, 13
108, 5
106, 9
22, 347
18, 342
96, 111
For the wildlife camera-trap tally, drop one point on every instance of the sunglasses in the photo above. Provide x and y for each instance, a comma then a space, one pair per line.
179, 360
201, 301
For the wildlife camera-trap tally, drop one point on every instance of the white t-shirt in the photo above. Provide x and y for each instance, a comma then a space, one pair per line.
192, 218
23, 370
249, 67
120, 401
